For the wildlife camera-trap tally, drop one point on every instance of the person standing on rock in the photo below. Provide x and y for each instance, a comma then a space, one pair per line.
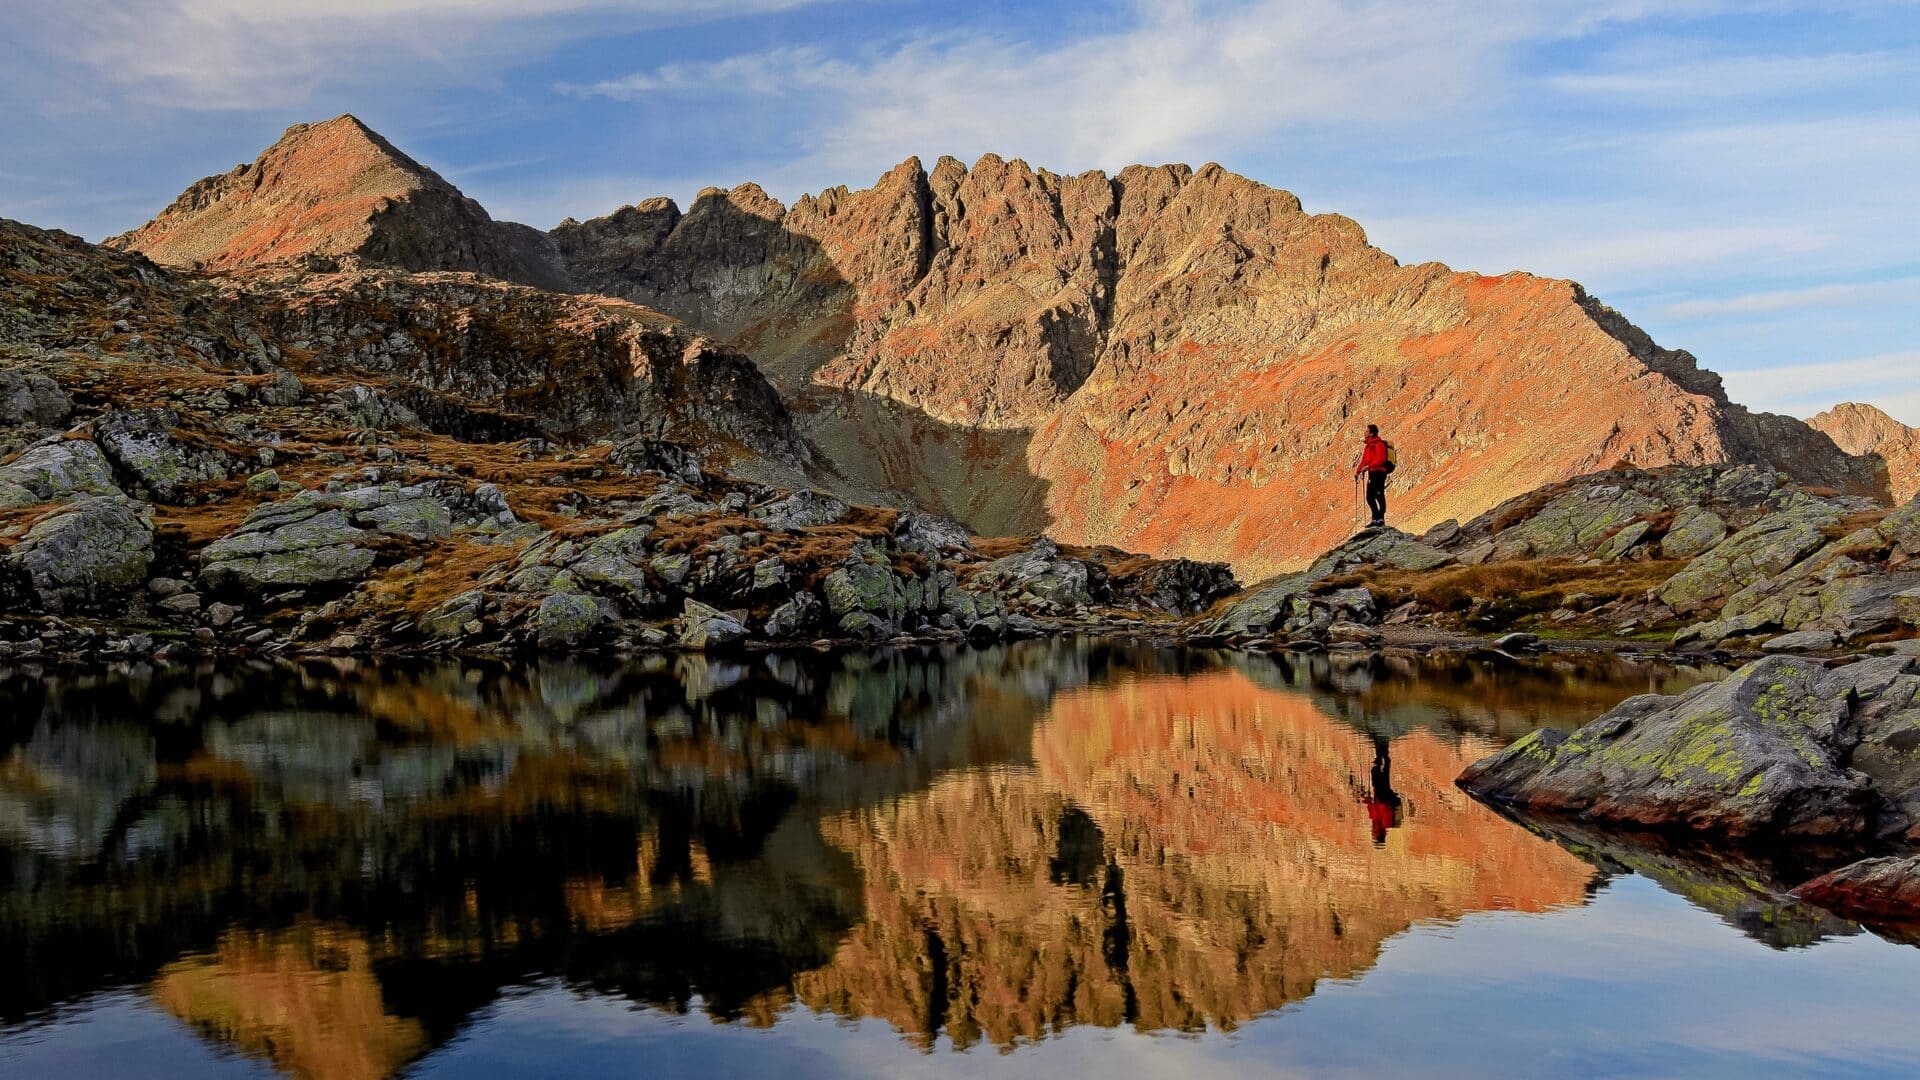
1376, 461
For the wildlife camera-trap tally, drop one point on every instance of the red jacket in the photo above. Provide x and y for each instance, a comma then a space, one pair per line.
1374, 457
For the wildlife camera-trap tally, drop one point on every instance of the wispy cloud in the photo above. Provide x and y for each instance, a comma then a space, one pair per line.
1887, 380
253, 54
1184, 80
1903, 290
1661, 76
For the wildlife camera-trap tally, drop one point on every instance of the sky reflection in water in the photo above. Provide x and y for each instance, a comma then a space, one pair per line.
1054, 856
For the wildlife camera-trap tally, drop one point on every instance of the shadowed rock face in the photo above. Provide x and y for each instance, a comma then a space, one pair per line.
338, 189
1863, 429
1172, 361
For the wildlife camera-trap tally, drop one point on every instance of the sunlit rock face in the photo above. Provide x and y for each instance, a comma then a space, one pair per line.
1192, 354
1863, 429
338, 190
1110, 884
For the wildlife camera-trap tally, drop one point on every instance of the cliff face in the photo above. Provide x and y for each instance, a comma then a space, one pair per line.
337, 190
1863, 429
1174, 361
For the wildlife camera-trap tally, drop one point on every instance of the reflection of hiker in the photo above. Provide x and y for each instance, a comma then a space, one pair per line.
1377, 459
1383, 803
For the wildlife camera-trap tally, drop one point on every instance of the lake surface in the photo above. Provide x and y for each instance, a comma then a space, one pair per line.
1053, 856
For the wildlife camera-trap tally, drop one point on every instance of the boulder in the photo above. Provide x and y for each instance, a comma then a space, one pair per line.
1887, 887
1516, 642
704, 627
28, 397
90, 551
1695, 530
54, 469
1906, 605
1759, 754
1767, 547
1584, 520
1802, 641
146, 446
800, 510
292, 544
565, 620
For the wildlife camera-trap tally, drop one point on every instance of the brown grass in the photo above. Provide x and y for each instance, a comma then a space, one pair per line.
450, 569
1520, 586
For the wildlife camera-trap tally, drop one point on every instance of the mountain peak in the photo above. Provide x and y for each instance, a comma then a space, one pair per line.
337, 189
1859, 428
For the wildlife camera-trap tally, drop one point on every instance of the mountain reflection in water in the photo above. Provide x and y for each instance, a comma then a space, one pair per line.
334, 866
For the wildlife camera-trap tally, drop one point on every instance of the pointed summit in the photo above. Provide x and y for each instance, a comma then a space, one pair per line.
339, 190
1862, 429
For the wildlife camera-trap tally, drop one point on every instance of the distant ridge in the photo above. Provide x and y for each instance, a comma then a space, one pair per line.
1862, 429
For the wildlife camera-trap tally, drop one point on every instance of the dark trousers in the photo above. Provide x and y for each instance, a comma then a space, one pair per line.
1377, 495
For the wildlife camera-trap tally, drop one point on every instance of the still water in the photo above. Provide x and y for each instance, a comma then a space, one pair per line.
1054, 856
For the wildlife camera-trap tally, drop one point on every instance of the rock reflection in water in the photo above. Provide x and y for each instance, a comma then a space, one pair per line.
1221, 862
335, 866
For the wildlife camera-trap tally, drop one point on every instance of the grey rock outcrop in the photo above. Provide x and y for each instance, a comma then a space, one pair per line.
91, 550
1782, 748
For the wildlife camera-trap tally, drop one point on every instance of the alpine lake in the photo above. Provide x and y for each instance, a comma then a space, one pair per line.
1068, 857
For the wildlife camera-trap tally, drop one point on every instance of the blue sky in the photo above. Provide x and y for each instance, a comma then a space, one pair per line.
1741, 178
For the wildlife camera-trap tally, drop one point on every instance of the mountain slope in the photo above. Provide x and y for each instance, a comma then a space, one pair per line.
1863, 429
1169, 360
338, 189
1175, 361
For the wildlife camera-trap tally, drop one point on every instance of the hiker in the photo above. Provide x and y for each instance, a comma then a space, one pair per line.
1383, 803
1376, 460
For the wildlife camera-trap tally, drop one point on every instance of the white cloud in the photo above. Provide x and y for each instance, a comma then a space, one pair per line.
1186, 80
1890, 381
1677, 74
1905, 290
254, 54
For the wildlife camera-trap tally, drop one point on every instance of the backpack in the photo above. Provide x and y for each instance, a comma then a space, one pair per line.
1393, 457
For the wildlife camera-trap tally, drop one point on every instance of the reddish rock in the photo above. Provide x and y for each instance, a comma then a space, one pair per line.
1863, 429
1883, 888
339, 191
1193, 354
1168, 360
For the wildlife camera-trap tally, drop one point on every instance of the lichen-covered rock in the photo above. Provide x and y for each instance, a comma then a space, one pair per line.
1802, 641
866, 586
450, 617
145, 444
54, 469
1887, 887
1695, 530
615, 564
801, 509
1767, 547
1763, 753
1583, 520
87, 552
706, 627
28, 397
564, 620
293, 544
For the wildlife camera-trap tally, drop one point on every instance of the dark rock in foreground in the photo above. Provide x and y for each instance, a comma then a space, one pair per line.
1783, 748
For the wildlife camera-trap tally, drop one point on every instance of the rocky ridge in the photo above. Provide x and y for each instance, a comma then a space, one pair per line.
1864, 430
1168, 360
